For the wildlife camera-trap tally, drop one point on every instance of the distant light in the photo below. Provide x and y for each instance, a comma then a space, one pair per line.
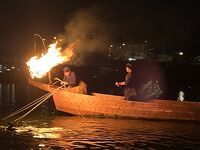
54, 38
131, 59
41, 145
123, 44
0, 71
8, 69
44, 39
181, 96
13, 67
111, 45
116, 69
180, 53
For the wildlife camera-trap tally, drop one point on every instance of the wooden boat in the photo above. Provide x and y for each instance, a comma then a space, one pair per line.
103, 105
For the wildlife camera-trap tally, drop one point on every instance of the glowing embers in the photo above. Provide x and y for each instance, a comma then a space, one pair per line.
39, 66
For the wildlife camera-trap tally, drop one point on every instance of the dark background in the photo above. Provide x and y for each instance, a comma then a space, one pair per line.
167, 25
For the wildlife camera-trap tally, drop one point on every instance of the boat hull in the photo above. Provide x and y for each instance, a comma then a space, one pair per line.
103, 105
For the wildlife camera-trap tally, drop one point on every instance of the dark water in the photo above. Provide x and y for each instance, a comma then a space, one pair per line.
45, 128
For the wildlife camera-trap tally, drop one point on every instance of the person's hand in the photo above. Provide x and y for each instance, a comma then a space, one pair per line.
63, 83
117, 84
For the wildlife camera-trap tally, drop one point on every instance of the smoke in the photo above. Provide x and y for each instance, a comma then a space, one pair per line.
89, 28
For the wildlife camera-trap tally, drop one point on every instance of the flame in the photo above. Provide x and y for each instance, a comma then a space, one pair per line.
40, 66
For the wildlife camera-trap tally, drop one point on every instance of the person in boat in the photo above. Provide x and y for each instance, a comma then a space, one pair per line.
69, 79
129, 90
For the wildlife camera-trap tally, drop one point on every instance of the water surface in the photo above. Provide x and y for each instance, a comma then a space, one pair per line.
45, 128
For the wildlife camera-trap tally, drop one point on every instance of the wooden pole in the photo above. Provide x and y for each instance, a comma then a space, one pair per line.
49, 73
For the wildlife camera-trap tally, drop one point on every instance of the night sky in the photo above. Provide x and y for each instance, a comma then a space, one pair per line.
166, 25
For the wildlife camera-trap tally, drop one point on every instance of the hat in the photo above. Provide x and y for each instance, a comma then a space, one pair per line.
129, 66
66, 69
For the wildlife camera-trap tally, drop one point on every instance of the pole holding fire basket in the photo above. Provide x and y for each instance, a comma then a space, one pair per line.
37, 35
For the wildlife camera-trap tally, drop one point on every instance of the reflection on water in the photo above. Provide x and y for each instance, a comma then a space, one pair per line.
110, 133
44, 129
0, 93
13, 96
93, 133
45, 133
13, 92
7, 93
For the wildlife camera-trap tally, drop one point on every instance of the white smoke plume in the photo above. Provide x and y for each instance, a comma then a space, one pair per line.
89, 28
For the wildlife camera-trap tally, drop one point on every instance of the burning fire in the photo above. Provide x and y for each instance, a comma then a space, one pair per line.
40, 66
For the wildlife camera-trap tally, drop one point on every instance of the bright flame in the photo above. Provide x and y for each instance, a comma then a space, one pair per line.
38, 67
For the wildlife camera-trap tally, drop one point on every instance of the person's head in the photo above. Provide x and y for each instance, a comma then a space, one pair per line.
66, 70
129, 68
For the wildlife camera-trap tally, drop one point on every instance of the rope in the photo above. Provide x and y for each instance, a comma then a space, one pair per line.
27, 106
38, 104
72, 101
31, 104
59, 80
78, 110
80, 114
32, 109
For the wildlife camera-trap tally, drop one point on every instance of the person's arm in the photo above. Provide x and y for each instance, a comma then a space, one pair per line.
127, 80
64, 83
72, 80
120, 83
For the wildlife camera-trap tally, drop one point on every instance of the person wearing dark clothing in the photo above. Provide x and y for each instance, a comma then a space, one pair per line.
69, 78
129, 90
